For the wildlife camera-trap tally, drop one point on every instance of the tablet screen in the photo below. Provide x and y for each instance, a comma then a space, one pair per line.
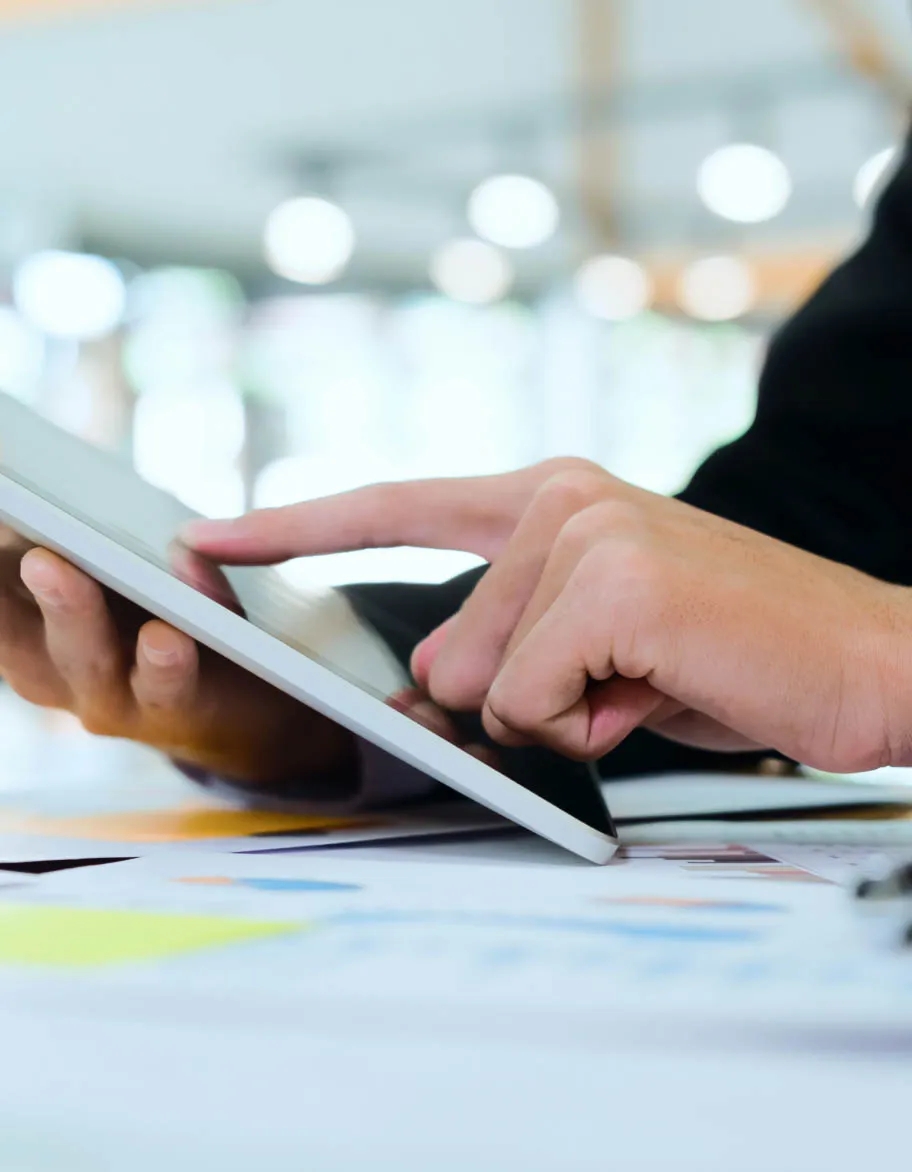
104, 493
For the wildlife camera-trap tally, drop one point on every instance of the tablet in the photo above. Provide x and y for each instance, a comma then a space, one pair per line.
93, 509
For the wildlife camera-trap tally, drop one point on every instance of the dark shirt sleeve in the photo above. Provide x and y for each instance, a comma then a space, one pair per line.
826, 464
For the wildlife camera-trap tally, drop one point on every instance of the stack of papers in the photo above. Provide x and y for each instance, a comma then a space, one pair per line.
189, 985
690, 807
726, 932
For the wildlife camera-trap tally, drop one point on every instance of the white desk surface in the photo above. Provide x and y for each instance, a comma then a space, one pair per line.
485, 1005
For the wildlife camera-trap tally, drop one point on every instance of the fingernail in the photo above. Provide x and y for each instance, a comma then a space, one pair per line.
485, 754
159, 657
420, 669
403, 700
432, 718
40, 580
424, 712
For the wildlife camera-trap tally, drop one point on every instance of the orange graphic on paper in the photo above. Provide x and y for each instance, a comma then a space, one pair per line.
184, 824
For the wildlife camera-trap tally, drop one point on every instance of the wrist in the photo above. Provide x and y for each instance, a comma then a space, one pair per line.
891, 648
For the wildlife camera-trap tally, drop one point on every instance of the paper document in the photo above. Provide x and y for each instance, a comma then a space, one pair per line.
724, 933
703, 795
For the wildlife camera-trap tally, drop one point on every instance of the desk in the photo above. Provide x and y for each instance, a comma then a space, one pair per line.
279, 1056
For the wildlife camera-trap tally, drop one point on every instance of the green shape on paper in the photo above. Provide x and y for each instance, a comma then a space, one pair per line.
94, 936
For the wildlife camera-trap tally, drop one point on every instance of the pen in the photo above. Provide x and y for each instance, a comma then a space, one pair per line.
891, 894
893, 885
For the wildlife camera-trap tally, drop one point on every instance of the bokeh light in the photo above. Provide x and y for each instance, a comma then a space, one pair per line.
872, 176
191, 297
188, 444
614, 288
514, 211
21, 354
744, 183
472, 271
717, 288
70, 294
308, 240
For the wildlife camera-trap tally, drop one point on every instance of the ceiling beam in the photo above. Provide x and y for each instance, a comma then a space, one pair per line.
597, 61
865, 45
784, 277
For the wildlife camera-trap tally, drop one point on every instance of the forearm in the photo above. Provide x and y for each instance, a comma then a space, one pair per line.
891, 657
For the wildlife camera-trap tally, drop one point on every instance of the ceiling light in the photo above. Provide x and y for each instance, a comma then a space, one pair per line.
470, 270
515, 211
21, 353
308, 240
717, 288
744, 183
613, 287
70, 294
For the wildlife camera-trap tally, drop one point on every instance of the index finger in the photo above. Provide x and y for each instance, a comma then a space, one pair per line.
471, 514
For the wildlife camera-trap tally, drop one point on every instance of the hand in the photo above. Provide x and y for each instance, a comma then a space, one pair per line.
67, 643
607, 607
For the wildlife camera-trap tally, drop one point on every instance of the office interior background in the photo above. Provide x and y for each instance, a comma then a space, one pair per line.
271, 249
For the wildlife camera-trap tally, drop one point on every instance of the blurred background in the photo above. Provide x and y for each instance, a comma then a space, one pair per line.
270, 249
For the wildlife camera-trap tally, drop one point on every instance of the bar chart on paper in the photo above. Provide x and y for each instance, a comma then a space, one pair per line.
272, 884
717, 929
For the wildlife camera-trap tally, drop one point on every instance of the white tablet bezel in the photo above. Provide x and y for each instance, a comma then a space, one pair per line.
162, 595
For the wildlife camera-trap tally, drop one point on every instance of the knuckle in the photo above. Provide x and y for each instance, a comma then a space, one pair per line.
619, 518
497, 729
510, 709
576, 536
573, 490
456, 682
163, 689
557, 465
79, 603
608, 524
98, 675
577, 749
630, 561
859, 753
33, 691
168, 695
631, 580
98, 722
864, 758
626, 583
